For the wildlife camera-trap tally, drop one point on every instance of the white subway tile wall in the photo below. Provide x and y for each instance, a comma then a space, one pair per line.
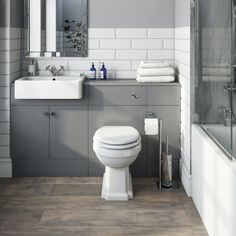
131, 33
166, 33
160, 54
98, 33
10, 69
147, 44
121, 49
182, 63
115, 44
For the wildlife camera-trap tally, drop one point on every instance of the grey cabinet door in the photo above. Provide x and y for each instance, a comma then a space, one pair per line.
68, 132
30, 132
163, 95
117, 95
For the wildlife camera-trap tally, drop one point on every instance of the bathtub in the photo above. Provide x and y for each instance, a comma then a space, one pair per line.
214, 179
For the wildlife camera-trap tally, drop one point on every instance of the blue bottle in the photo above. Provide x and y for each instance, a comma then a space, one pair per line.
103, 72
92, 72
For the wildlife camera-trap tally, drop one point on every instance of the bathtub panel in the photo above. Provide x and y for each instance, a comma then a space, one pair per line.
213, 184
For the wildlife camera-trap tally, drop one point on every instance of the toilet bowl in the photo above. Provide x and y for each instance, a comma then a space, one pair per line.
117, 147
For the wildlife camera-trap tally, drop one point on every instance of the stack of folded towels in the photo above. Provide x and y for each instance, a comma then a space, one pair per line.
155, 72
216, 72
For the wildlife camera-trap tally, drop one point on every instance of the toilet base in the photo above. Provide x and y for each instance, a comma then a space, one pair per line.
117, 184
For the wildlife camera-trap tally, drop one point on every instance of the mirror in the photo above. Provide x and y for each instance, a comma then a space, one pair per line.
56, 28
72, 28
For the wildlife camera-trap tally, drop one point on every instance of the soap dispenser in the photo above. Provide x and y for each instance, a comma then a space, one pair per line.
103, 72
32, 68
92, 72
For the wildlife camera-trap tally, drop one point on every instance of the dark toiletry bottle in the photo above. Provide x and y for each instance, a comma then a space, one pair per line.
103, 72
92, 72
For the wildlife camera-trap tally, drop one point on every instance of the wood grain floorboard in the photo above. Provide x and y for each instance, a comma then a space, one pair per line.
189, 205
70, 180
25, 190
96, 231
199, 231
167, 217
3, 201
76, 190
89, 218
19, 217
83, 203
69, 206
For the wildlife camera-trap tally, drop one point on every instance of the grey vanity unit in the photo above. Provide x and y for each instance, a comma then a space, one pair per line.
55, 137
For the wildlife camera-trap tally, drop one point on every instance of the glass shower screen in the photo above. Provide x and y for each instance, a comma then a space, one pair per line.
214, 75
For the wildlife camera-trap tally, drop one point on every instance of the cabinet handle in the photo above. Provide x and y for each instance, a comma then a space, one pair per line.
150, 114
46, 113
135, 96
53, 114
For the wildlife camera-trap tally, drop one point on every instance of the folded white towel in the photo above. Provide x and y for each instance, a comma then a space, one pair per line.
209, 71
153, 65
156, 72
157, 79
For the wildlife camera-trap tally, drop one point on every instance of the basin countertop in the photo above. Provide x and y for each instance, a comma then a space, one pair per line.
125, 82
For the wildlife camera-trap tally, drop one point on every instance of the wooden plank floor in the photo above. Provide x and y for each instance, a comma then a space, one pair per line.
72, 206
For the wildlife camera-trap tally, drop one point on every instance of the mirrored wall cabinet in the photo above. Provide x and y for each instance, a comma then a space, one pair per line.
56, 28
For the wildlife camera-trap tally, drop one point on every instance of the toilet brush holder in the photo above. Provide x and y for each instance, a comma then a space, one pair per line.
166, 173
166, 167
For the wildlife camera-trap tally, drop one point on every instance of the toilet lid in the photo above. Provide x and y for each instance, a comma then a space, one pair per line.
116, 135
117, 147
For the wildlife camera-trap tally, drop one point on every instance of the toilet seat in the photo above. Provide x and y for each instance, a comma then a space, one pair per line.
116, 135
116, 153
118, 147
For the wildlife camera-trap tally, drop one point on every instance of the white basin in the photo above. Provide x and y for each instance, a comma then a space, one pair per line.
49, 87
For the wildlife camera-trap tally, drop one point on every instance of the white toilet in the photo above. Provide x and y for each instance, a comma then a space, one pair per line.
117, 147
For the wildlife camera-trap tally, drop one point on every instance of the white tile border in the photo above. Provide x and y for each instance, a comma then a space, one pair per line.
186, 179
5, 168
182, 62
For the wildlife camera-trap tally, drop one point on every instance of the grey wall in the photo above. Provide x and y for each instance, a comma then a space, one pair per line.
182, 13
112, 13
17, 13
4, 4
11, 13
131, 13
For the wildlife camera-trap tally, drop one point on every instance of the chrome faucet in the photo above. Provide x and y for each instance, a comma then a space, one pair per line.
54, 71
